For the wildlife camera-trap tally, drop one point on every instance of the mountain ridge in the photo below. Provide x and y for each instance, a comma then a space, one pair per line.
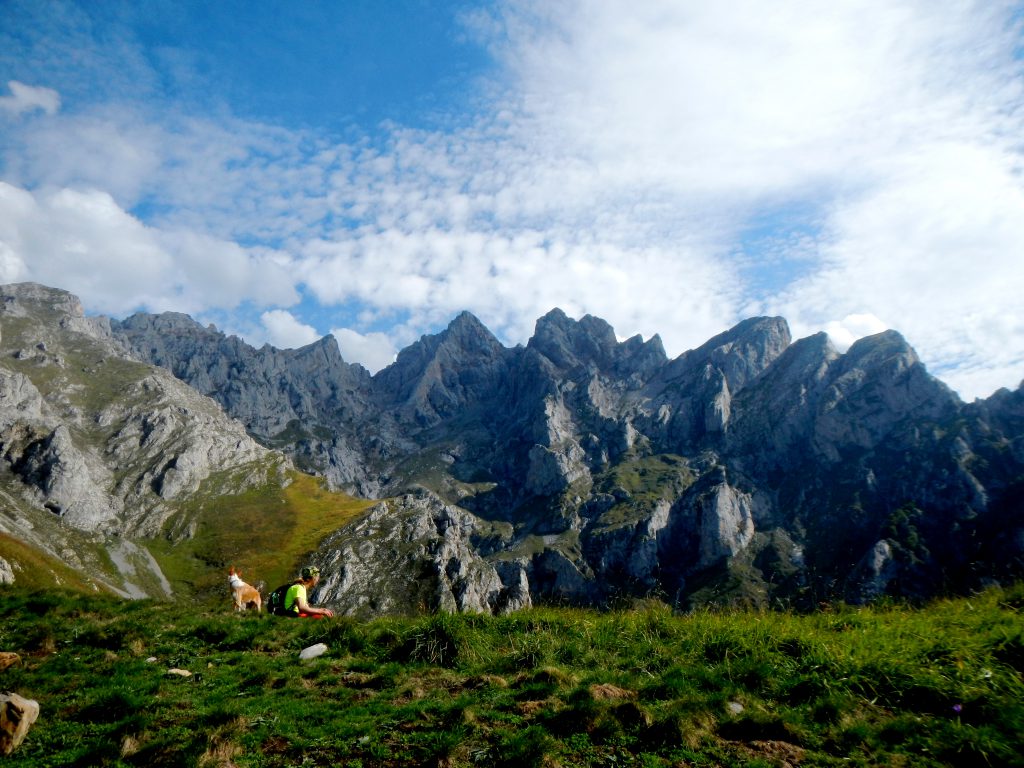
584, 469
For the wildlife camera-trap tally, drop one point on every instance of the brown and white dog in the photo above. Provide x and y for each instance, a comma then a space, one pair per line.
244, 595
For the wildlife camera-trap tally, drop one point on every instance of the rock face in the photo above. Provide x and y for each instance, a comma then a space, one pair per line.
307, 401
6, 572
17, 714
577, 468
415, 553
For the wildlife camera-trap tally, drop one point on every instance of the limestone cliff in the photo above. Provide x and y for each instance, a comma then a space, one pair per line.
577, 468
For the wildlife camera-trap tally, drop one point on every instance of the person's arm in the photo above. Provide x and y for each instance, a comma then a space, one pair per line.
305, 607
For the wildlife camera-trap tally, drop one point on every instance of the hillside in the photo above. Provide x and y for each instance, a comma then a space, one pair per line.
115, 476
868, 687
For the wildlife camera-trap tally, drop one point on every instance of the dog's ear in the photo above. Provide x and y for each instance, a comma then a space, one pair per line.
233, 572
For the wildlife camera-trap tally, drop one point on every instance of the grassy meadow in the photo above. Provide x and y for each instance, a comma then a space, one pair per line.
267, 532
880, 686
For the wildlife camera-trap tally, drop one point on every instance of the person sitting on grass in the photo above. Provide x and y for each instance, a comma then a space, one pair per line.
296, 601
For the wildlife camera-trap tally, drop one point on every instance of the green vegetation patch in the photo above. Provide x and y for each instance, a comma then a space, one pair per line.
35, 569
78, 366
889, 685
649, 477
639, 483
264, 532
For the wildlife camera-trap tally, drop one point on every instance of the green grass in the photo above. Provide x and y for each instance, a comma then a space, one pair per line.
88, 378
891, 685
646, 480
265, 532
38, 570
648, 477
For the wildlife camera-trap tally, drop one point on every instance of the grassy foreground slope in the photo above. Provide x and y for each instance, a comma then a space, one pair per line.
884, 686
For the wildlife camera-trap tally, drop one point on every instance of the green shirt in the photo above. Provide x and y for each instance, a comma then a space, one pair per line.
291, 598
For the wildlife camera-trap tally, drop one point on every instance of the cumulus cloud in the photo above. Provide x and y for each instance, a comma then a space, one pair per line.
510, 281
285, 331
84, 242
28, 98
934, 248
617, 167
373, 351
734, 100
113, 150
852, 327
220, 273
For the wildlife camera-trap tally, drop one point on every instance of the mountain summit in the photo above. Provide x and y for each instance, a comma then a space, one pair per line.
577, 468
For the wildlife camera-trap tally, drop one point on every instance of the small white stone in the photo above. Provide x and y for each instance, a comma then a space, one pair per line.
735, 707
313, 651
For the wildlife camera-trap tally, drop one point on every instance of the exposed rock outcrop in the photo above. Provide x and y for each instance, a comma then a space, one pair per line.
95, 445
415, 553
17, 715
576, 468
6, 572
822, 449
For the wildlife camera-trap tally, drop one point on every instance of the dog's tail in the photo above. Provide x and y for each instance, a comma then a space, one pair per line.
260, 586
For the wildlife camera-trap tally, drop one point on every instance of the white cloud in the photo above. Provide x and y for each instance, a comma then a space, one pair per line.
116, 152
508, 282
284, 331
84, 242
621, 158
935, 250
220, 273
373, 351
735, 100
852, 327
28, 98
639, 140
11, 266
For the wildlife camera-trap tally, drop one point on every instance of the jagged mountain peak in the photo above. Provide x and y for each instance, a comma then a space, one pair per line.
442, 373
466, 322
326, 347
97, 448
889, 344
740, 353
467, 333
804, 363
886, 360
20, 298
591, 342
629, 472
38, 293
465, 341
883, 373
764, 336
164, 321
642, 356
570, 343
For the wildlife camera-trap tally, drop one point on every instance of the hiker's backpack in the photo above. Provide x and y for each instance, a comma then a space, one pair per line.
275, 603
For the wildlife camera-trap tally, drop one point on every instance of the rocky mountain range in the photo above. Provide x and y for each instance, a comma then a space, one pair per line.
575, 469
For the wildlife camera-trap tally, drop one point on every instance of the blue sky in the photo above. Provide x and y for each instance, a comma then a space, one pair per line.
370, 169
